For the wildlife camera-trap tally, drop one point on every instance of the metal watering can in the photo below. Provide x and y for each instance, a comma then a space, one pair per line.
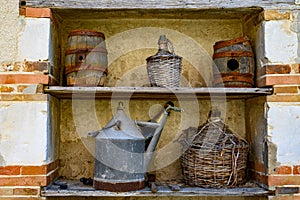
124, 149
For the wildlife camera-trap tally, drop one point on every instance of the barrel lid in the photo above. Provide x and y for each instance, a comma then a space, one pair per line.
121, 127
86, 33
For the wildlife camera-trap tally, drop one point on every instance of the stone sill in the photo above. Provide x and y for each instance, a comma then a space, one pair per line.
76, 188
156, 93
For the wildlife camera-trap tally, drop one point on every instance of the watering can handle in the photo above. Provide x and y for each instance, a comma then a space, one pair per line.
96, 133
174, 109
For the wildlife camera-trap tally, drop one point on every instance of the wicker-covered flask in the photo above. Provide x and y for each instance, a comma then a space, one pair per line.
164, 68
216, 156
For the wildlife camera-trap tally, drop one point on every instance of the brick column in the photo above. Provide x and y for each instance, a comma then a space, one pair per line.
28, 130
278, 53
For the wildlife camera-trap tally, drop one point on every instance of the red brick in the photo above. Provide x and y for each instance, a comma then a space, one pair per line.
53, 81
286, 89
283, 98
277, 180
283, 170
33, 170
275, 15
39, 170
9, 170
23, 97
36, 66
296, 169
6, 191
38, 12
52, 166
274, 69
5, 88
23, 79
22, 11
284, 197
26, 191
278, 80
23, 181
52, 176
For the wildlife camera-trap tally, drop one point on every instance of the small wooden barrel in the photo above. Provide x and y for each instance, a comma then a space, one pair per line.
235, 63
86, 58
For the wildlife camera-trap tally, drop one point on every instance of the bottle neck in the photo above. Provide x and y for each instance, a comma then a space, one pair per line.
162, 46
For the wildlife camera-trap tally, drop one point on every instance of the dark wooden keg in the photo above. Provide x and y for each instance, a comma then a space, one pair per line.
86, 58
235, 64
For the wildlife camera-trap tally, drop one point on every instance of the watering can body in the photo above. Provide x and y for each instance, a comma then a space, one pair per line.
121, 153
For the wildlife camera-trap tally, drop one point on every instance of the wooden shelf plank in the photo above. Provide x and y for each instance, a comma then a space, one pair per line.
156, 4
76, 188
154, 93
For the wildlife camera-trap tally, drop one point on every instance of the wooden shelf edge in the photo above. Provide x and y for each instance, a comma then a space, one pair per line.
154, 92
155, 4
76, 188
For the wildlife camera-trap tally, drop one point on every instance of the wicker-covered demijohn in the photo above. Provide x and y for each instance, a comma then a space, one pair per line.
213, 156
164, 68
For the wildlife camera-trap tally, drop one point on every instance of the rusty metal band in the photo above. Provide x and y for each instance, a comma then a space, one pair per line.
233, 54
233, 77
119, 187
69, 69
235, 85
86, 33
246, 78
221, 44
85, 50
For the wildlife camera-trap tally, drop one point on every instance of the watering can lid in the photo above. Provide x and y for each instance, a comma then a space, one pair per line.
121, 127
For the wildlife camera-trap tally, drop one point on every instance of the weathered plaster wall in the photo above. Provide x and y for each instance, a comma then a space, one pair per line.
130, 41
256, 129
10, 27
22, 133
283, 131
278, 39
287, 46
35, 39
53, 119
80, 117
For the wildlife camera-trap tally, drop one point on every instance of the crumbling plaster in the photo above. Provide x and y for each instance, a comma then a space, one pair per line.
10, 26
283, 130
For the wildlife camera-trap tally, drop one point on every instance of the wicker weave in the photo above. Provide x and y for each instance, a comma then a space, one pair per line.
215, 157
164, 68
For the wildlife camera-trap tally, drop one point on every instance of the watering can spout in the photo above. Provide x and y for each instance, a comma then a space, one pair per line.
156, 125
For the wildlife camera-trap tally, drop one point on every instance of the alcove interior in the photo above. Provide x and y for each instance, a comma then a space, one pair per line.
131, 36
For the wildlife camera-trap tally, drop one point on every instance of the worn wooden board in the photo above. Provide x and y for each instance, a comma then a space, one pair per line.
156, 3
155, 92
76, 188
96, 14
